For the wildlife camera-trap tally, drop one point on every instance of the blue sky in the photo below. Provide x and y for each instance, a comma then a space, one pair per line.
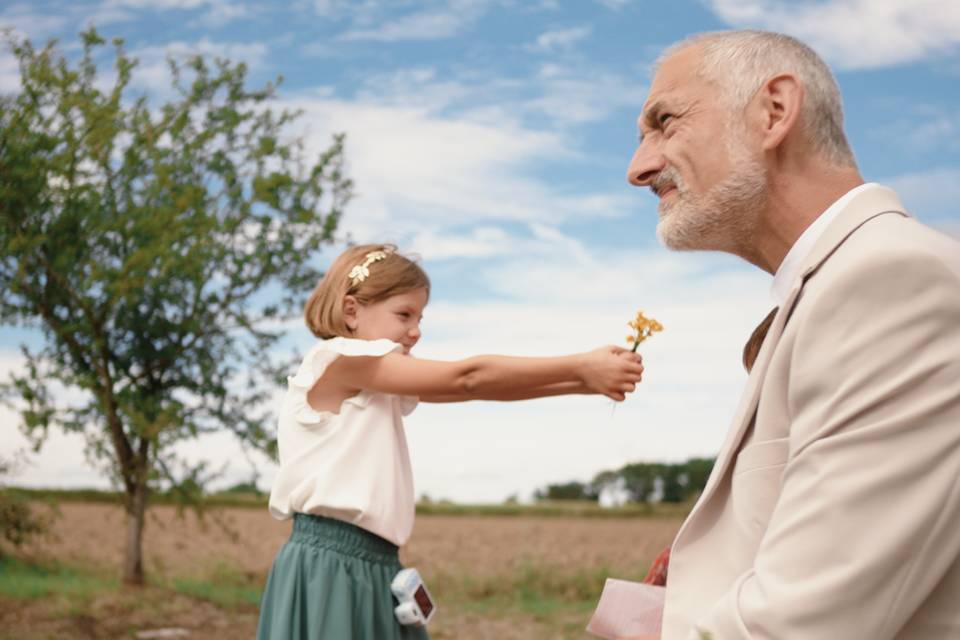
491, 138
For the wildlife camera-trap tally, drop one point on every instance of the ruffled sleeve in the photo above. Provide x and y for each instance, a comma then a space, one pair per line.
407, 404
320, 357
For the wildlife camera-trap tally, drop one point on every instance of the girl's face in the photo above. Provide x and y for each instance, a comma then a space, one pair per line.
397, 318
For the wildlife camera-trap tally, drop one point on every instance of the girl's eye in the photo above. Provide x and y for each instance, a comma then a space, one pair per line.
403, 314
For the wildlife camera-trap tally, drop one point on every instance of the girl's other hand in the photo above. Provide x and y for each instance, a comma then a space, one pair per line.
612, 371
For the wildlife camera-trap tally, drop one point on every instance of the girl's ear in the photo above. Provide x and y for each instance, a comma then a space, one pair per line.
350, 309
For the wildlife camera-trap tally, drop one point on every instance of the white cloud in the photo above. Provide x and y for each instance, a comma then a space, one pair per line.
107, 14
615, 5
940, 130
555, 240
153, 72
543, 241
628, 275
24, 20
216, 12
60, 463
921, 128
929, 193
431, 156
570, 97
9, 73
360, 9
328, 7
480, 242
562, 38
418, 87
556, 96
10, 362
856, 34
441, 21
159, 5
415, 168
70, 19
222, 12
62, 460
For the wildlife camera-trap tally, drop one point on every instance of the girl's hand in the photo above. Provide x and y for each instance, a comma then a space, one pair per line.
612, 371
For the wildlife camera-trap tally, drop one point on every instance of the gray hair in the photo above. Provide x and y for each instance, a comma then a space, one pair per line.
740, 62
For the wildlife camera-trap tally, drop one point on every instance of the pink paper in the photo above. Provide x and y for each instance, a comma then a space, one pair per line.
627, 609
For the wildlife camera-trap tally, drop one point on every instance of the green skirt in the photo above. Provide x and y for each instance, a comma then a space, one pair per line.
331, 581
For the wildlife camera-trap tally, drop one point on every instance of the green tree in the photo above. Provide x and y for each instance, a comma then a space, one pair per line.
673, 482
640, 480
157, 248
646, 481
19, 520
604, 480
696, 472
572, 490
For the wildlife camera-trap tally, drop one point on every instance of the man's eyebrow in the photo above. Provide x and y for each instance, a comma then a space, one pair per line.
650, 117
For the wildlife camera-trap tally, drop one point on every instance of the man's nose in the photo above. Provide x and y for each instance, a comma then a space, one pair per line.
646, 163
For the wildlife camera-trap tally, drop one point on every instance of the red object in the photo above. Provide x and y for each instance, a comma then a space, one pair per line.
658, 570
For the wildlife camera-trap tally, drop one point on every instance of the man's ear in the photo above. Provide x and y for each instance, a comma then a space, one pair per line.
350, 309
779, 102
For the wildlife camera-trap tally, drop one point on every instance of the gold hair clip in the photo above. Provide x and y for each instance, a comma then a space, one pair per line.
362, 271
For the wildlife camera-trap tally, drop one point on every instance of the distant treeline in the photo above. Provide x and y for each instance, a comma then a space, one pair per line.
637, 482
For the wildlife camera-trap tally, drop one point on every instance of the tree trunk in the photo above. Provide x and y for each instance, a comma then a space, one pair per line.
133, 553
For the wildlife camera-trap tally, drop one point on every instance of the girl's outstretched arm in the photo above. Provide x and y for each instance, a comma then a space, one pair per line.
556, 389
612, 371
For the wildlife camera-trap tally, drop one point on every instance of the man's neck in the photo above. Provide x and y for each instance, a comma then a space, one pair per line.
793, 205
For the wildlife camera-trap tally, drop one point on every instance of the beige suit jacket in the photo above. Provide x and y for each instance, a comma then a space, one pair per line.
833, 511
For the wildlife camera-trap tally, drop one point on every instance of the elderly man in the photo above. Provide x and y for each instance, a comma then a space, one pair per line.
833, 510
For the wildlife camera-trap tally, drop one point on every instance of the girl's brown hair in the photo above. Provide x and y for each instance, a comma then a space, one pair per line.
391, 276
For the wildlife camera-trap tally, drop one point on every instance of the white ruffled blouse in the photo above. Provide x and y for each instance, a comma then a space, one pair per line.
353, 465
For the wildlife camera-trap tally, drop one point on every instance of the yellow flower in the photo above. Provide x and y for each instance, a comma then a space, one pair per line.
644, 327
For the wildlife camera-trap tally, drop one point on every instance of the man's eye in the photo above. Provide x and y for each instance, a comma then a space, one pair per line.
665, 119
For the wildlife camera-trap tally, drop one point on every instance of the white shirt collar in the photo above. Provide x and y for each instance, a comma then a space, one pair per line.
789, 269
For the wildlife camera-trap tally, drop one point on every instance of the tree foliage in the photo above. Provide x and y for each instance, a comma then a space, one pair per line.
657, 481
572, 490
19, 520
639, 482
157, 247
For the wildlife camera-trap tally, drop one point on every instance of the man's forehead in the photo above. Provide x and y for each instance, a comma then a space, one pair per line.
677, 71
676, 76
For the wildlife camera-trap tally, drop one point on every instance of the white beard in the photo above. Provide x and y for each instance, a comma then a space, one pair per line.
723, 218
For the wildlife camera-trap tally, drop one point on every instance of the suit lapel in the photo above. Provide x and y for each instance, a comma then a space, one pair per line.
866, 205
748, 401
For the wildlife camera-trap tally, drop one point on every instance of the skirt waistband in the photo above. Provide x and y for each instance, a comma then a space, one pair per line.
343, 537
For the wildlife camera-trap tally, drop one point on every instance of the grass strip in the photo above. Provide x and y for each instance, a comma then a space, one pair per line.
225, 596
550, 508
23, 580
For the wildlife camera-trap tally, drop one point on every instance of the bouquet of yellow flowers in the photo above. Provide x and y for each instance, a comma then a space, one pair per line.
643, 327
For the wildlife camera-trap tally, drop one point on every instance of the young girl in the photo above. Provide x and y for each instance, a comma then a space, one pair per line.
344, 468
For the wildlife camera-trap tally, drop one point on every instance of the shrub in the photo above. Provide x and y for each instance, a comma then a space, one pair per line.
19, 521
